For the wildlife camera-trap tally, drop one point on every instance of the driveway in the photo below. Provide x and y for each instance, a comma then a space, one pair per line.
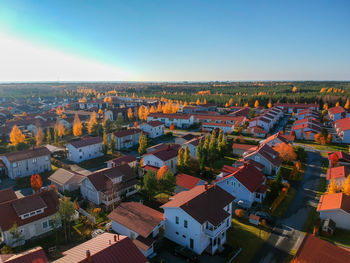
287, 235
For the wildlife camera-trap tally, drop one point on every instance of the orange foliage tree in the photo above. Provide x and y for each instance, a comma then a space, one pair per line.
346, 186
239, 212
130, 113
172, 127
334, 160
60, 129
77, 126
285, 151
35, 182
16, 136
39, 137
256, 104
161, 172
92, 122
332, 187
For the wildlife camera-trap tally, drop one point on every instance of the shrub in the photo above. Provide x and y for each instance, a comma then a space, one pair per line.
6, 250
239, 213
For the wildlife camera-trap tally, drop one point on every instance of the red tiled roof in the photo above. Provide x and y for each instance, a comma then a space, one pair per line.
268, 153
314, 249
170, 115
186, 181
155, 123
226, 169
343, 124
167, 153
334, 201
203, 203
128, 132
7, 195
27, 154
151, 168
86, 141
283, 138
137, 217
338, 172
49, 198
336, 110
242, 146
342, 156
103, 249
123, 159
217, 124
223, 118
296, 105
34, 255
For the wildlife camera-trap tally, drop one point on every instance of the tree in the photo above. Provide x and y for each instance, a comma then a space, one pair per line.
198, 102
105, 143
200, 155
66, 212
119, 121
166, 180
92, 122
206, 148
285, 151
35, 182
334, 160
141, 112
329, 139
347, 104
100, 112
77, 126
39, 137
150, 184
172, 127
256, 104
107, 126
239, 213
346, 186
60, 129
187, 157
337, 104
212, 146
16, 136
16, 235
130, 113
269, 105
294, 89
325, 106
48, 135
180, 159
142, 144
332, 187
55, 135
112, 144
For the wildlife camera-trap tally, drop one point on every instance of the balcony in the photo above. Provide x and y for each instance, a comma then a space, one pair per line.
212, 231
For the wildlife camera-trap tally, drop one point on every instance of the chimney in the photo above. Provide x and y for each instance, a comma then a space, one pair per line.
110, 242
88, 256
116, 237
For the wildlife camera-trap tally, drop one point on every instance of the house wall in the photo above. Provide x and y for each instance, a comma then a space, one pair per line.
126, 141
89, 192
81, 154
154, 161
340, 217
180, 123
27, 167
153, 132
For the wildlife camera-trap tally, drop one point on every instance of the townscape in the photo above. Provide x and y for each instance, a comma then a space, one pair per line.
175, 172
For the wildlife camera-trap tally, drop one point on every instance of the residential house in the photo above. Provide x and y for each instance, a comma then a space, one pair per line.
109, 185
125, 159
179, 120
142, 224
315, 249
342, 127
339, 174
33, 255
336, 113
226, 128
126, 138
267, 156
239, 148
192, 145
33, 215
306, 114
199, 218
85, 149
105, 248
153, 129
163, 156
185, 138
223, 119
27, 162
277, 138
66, 180
306, 129
336, 207
342, 157
185, 182
247, 183
296, 107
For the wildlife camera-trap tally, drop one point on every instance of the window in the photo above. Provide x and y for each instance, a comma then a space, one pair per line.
177, 220
50, 223
14, 165
46, 158
32, 213
45, 225
34, 160
183, 236
191, 243
185, 224
176, 233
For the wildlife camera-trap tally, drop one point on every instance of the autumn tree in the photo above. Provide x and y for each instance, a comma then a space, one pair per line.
100, 112
16, 136
347, 104
39, 137
294, 89
142, 144
130, 113
60, 129
329, 139
285, 151
141, 112
187, 157
212, 146
172, 127
77, 126
180, 160
269, 105
198, 102
166, 180
48, 135
256, 104
332, 187
112, 144
105, 143
346, 186
92, 122
334, 160
35, 182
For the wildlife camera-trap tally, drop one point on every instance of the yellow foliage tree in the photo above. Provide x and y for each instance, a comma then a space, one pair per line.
77, 126
159, 108
198, 102
92, 122
153, 109
141, 112
269, 105
346, 186
294, 89
325, 106
39, 137
256, 104
100, 112
60, 129
332, 187
130, 113
337, 104
16, 136
347, 104
205, 101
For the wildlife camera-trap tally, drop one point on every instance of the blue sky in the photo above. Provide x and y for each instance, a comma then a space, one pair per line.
175, 40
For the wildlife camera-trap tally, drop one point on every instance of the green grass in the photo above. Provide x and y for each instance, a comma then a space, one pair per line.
96, 162
328, 147
282, 208
226, 160
248, 237
322, 187
340, 237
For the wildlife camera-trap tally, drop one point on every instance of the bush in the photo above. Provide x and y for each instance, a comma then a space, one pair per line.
6, 250
239, 213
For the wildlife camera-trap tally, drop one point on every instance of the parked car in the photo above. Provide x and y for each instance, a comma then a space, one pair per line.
242, 204
186, 253
263, 215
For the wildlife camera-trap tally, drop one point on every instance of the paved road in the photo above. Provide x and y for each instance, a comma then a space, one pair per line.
287, 235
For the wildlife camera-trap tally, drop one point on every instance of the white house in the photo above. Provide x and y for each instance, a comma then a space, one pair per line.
277, 138
307, 113
128, 159
85, 149
192, 146
199, 218
126, 138
296, 107
226, 128
153, 129
342, 127
166, 155
33, 215
336, 113
142, 224
306, 128
246, 183
336, 207
27, 162
109, 185
180, 120
267, 156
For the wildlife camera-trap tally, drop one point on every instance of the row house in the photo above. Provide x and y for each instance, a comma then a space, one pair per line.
27, 162
246, 183
192, 145
224, 119
241, 111
277, 138
142, 224
166, 155
336, 113
109, 185
125, 159
343, 159
266, 120
33, 215
226, 128
153, 129
185, 138
296, 107
307, 113
85, 149
199, 218
342, 127
306, 128
179, 120
338, 174
126, 138
266, 156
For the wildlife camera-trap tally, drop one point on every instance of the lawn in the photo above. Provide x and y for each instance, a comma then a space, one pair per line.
248, 237
226, 160
328, 147
340, 237
282, 208
97, 162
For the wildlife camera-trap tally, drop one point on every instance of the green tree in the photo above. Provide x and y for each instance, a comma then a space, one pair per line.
187, 157
212, 146
107, 126
206, 148
142, 144
97, 129
150, 184
105, 143
112, 144
55, 135
16, 235
180, 160
66, 212
200, 154
119, 122
167, 183
48, 135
